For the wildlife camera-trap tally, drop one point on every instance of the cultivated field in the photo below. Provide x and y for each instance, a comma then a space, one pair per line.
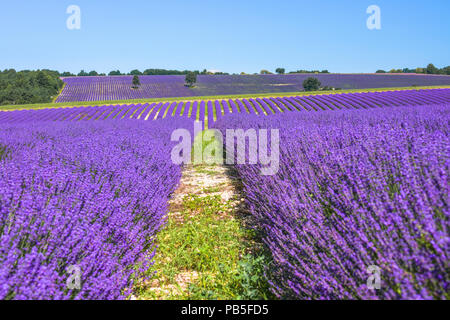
362, 181
119, 87
211, 110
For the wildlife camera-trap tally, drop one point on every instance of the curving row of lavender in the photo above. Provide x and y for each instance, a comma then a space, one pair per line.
355, 189
211, 111
90, 194
119, 87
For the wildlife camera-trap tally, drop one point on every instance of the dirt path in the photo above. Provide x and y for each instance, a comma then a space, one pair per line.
207, 236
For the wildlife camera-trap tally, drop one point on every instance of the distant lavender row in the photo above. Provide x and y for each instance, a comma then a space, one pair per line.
90, 194
372, 193
119, 87
211, 111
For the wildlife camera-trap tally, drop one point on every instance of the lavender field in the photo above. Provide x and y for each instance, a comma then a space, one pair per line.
373, 193
91, 194
119, 87
211, 111
363, 181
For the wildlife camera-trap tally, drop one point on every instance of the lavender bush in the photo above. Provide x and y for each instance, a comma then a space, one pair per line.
91, 194
355, 189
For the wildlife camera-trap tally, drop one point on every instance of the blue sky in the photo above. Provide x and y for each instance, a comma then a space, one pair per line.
230, 36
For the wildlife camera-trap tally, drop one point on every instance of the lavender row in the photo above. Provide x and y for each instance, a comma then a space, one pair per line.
86, 194
373, 194
213, 110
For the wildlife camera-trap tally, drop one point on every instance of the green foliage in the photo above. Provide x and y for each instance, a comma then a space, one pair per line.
251, 277
67, 74
203, 240
311, 84
431, 69
161, 72
28, 86
135, 72
310, 71
191, 78
136, 82
82, 73
265, 72
446, 70
280, 70
115, 73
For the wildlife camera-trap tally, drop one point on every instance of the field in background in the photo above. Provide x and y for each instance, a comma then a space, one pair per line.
119, 87
211, 111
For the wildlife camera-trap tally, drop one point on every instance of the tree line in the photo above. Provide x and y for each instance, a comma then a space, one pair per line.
165, 72
430, 69
136, 72
29, 86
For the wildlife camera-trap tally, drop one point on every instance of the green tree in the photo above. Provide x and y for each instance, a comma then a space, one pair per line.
83, 73
191, 78
280, 70
420, 70
446, 70
380, 71
431, 69
135, 72
93, 73
42, 79
28, 86
265, 72
311, 84
115, 73
136, 82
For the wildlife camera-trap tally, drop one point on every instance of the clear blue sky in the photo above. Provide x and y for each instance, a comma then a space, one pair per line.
225, 35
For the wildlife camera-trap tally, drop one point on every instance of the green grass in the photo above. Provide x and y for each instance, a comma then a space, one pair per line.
253, 95
206, 251
204, 244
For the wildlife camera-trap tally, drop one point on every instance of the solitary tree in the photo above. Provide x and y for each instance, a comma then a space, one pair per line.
280, 70
311, 84
136, 82
431, 69
191, 78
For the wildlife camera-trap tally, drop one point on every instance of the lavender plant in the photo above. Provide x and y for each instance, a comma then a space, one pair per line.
355, 189
88, 194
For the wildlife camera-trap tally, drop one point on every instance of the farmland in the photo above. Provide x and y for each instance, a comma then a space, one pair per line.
119, 87
363, 181
211, 110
